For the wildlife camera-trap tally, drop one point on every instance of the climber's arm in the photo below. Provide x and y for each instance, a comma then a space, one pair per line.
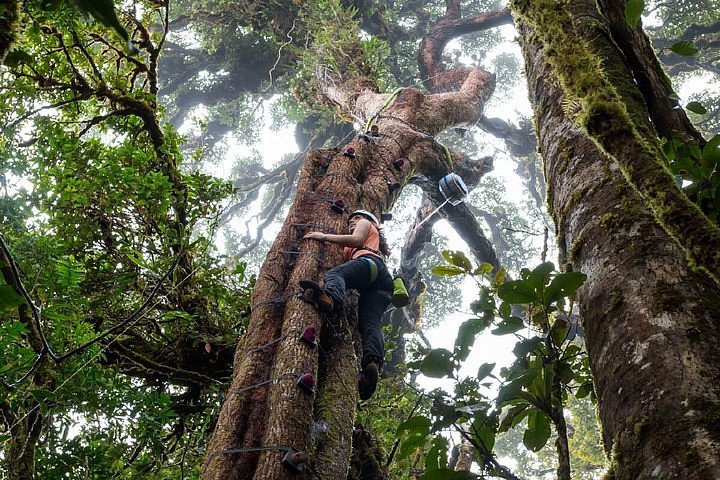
355, 239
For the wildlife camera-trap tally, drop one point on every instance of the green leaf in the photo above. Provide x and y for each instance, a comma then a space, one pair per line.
458, 259
484, 429
711, 150
523, 347
685, 48
563, 285
509, 325
499, 278
633, 12
40, 395
437, 364
466, 336
540, 275
447, 270
559, 331
584, 390
514, 416
70, 272
538, 431
484, 370
415, 425
505, 310
696, 107
9, 298
436, 458
104, 12
483, 269
565, 373
517, 291
16, 57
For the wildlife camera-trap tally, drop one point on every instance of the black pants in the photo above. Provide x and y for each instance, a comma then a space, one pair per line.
375, 292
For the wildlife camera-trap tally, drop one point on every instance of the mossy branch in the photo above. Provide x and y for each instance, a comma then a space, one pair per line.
605, 118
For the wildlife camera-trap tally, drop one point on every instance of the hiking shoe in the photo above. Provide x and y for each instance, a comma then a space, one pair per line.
314, 294
368, 380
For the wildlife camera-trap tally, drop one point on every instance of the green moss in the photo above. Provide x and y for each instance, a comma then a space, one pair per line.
604, 116
612, 222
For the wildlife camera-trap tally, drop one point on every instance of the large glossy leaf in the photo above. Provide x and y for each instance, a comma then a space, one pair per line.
685, 48
437, 364
517, 291
563, 285
633, 11
538, 431
467, 332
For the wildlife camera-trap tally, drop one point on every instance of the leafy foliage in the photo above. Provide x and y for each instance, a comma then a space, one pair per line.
533, 390
134, 316
696, 171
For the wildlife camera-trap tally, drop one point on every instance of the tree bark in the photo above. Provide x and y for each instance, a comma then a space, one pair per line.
265, 413
9, 26
652, 322
653, 82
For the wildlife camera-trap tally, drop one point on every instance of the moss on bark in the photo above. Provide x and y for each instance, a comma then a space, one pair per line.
609, 124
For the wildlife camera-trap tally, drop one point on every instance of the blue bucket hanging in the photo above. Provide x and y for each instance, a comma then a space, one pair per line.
453, 189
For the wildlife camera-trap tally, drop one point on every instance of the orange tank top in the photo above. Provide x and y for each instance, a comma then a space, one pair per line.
372, 241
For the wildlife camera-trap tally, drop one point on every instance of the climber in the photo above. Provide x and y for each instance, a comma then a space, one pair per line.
364, 270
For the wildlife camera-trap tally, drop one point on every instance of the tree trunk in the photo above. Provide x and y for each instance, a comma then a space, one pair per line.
9, 25
652, 323
265, 413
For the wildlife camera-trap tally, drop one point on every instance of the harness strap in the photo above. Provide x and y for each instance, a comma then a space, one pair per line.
373, 269
371, 250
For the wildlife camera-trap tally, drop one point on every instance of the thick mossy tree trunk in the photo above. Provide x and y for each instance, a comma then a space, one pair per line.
265, 412
652, 322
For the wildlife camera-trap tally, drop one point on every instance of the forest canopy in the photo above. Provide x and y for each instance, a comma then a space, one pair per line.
161, 161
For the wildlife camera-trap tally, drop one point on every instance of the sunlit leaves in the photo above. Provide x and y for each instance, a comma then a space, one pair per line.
413, 433
69, 272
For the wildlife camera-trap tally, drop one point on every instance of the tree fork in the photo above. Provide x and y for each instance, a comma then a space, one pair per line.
360, 177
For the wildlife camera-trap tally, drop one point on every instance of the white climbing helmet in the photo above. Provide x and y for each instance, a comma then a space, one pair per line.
366, 214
